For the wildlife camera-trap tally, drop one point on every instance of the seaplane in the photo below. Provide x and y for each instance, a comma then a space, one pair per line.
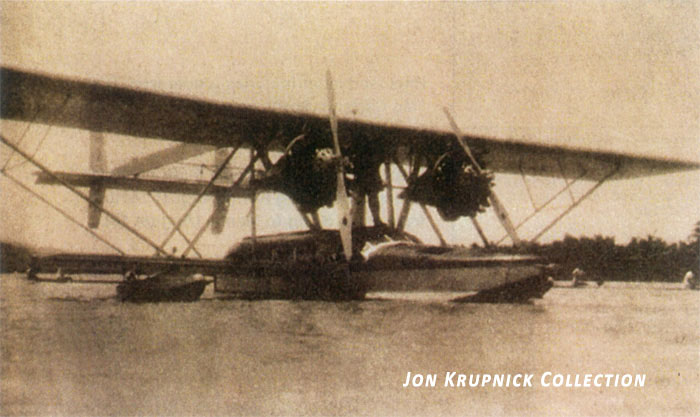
323, 160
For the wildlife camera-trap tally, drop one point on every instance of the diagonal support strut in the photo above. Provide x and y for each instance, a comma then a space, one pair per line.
83, 196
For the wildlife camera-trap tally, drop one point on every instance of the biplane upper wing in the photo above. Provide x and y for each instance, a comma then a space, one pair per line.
40, 98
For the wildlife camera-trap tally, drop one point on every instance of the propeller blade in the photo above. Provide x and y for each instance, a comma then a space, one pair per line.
342, 201
500, 210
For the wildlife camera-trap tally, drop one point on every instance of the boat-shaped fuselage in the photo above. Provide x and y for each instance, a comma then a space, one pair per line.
310, 265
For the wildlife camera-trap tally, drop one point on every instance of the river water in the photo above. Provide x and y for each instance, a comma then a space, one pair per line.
73, 349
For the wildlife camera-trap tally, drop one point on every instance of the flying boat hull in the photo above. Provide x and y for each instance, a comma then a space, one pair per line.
309, 265
500, 279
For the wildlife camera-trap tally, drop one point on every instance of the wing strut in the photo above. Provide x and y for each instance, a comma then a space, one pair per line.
97, 190
61, 211
31, 121
199, 197
170, 219
253, 208
389, 194
576, 203
500, 210
480, 231
83, 196
428, 216
434, 225
544, 205
403, 215
406, 207
248, 169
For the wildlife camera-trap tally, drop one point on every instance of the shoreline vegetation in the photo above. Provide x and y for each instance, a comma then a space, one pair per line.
649, 259
642, 259
14, 257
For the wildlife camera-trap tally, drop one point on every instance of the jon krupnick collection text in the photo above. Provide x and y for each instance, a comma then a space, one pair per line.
547, 379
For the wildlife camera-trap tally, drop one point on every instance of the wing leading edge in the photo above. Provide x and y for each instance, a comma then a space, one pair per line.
34, 97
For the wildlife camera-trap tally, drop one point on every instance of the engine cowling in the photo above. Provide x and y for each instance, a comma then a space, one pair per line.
453, 187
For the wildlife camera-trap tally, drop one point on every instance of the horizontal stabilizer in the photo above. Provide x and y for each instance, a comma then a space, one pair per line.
156, 185
161, 158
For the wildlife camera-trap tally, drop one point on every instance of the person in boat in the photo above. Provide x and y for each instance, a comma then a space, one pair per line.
690, 281
130, 276
31, 274
61, 277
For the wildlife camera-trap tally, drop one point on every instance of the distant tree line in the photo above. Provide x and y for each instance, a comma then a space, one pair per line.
648, 259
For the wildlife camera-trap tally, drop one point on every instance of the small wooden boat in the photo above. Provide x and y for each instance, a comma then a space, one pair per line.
162, 287
578, 284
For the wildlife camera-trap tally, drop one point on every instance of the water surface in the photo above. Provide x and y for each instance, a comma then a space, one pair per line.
76, 350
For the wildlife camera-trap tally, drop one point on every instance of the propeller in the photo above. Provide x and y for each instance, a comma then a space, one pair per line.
498, 207
342, 201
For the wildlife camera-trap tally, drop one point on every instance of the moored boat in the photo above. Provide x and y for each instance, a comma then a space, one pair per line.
162, 287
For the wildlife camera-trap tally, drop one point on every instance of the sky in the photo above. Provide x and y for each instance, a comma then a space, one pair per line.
616, 76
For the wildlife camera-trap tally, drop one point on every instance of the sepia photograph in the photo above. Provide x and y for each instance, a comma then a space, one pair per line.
350, 208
